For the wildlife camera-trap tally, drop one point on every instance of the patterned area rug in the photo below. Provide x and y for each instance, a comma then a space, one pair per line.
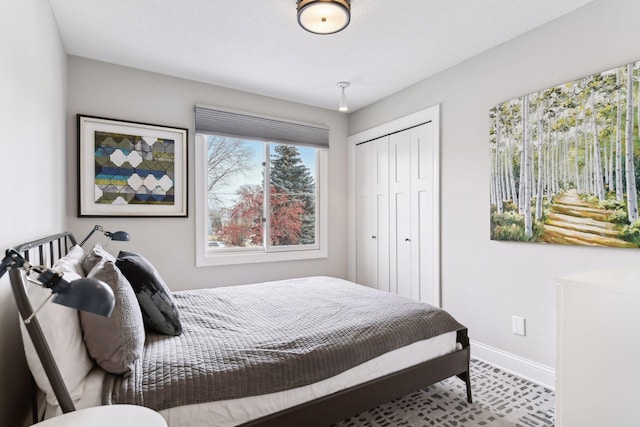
499, 399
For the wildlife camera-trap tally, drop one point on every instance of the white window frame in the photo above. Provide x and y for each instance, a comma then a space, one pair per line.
207, 258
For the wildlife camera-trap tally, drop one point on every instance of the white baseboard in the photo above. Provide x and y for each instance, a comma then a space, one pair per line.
525, 368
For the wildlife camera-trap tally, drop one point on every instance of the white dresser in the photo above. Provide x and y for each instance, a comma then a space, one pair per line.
598, 348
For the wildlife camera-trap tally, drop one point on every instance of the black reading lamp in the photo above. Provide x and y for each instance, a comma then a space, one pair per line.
119, 236
91, 295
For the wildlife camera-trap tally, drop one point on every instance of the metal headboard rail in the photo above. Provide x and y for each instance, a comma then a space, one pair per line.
48, 245
49, 250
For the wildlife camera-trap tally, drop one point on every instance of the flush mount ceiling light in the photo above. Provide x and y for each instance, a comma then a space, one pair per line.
343, 97
324, 16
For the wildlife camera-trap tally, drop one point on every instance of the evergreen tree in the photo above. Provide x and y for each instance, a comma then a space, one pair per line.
289, 175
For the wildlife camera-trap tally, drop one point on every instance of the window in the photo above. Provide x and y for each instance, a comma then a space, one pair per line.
241, 205
258, 199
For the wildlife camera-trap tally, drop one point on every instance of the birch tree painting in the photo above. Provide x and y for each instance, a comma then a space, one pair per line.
565, 164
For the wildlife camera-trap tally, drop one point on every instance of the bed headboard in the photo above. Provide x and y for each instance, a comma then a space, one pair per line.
47, 250
19, 392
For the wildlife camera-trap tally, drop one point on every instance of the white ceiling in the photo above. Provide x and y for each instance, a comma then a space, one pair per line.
257, 45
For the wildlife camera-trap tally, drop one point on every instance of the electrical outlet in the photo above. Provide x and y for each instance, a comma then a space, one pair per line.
518, 325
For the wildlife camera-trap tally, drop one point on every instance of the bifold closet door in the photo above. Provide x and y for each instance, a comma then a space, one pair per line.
424, 229
372, 211
400, 213
412, 213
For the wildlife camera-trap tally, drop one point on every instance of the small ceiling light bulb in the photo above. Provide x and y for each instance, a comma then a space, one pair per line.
343, 96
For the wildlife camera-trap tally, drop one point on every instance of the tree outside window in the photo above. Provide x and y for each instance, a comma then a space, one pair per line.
239, 205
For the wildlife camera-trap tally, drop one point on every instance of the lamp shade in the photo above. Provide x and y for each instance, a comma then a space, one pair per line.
324, 16
119, 236
89, 295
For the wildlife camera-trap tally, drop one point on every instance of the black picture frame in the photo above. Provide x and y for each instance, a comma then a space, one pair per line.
131, 169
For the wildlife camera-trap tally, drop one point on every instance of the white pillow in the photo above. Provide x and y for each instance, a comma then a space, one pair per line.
61, 328
72, 262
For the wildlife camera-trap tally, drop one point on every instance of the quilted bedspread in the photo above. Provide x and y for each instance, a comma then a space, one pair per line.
256, 339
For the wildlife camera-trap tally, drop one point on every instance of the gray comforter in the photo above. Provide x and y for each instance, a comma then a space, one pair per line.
255, 339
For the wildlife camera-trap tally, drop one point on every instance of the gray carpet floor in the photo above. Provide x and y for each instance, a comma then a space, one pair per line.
499, 399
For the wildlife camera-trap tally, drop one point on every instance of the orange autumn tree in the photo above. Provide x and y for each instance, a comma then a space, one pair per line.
245, 225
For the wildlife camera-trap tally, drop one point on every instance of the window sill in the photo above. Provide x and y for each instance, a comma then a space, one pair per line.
209, 259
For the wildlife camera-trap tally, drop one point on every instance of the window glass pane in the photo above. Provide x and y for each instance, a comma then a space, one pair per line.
293, 195
235, 192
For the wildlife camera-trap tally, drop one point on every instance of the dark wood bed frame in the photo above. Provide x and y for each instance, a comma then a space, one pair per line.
349, 402
325, 410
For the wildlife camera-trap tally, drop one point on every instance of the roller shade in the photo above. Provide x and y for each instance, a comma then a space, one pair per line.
233, 123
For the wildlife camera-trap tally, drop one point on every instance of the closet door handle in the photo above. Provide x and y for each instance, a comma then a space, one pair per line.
373, 237
407, 239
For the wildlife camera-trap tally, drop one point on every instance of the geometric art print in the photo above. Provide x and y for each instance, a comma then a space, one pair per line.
134, 170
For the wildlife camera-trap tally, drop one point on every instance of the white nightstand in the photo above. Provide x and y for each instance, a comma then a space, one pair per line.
107, 416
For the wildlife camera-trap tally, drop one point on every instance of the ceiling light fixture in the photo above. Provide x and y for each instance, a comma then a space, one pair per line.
324, 16
343, 96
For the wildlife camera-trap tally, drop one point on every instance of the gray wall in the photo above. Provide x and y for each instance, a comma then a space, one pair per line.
112, 91
485, 282
32, 164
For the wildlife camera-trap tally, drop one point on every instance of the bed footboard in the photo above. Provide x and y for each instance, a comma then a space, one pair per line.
346, 403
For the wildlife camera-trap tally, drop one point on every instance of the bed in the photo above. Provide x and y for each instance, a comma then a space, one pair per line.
230, 359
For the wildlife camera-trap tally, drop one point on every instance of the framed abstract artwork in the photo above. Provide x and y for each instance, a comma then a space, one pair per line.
129, 169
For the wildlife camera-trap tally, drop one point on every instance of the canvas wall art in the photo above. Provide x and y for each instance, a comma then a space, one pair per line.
131, 169
565, 163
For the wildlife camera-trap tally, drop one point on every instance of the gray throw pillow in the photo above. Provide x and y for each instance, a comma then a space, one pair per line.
115, 342
96, 255
159, 310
